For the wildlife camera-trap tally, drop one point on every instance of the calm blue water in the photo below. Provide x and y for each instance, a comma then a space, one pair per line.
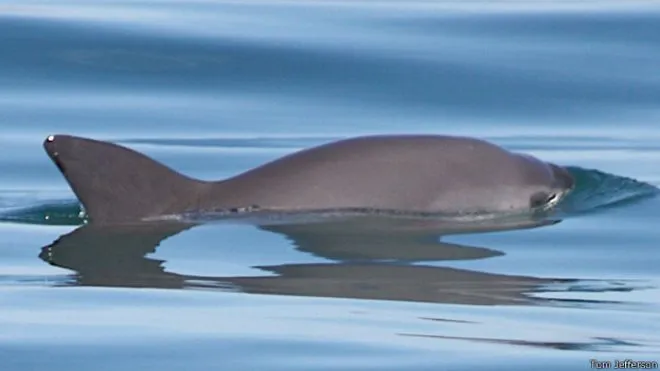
213, 88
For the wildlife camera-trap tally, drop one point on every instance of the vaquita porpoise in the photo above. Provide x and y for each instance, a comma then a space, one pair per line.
404, 173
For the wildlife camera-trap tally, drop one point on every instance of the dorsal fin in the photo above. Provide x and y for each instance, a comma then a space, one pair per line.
116, 184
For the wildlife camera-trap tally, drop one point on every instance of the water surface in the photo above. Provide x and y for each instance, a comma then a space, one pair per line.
213, 88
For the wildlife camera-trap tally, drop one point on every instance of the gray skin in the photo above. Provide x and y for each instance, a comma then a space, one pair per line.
409, 173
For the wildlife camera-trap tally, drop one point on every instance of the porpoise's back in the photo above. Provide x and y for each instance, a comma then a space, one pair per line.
426, 173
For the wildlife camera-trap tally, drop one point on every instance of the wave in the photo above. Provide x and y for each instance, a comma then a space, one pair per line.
56, 212
596, 191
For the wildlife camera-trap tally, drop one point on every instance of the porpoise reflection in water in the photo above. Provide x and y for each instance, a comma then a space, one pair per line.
371, 258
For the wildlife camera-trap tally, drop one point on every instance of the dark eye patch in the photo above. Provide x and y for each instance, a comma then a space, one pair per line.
539, 199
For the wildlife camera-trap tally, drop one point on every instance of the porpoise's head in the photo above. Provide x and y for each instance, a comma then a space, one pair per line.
546, 183
478, 177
